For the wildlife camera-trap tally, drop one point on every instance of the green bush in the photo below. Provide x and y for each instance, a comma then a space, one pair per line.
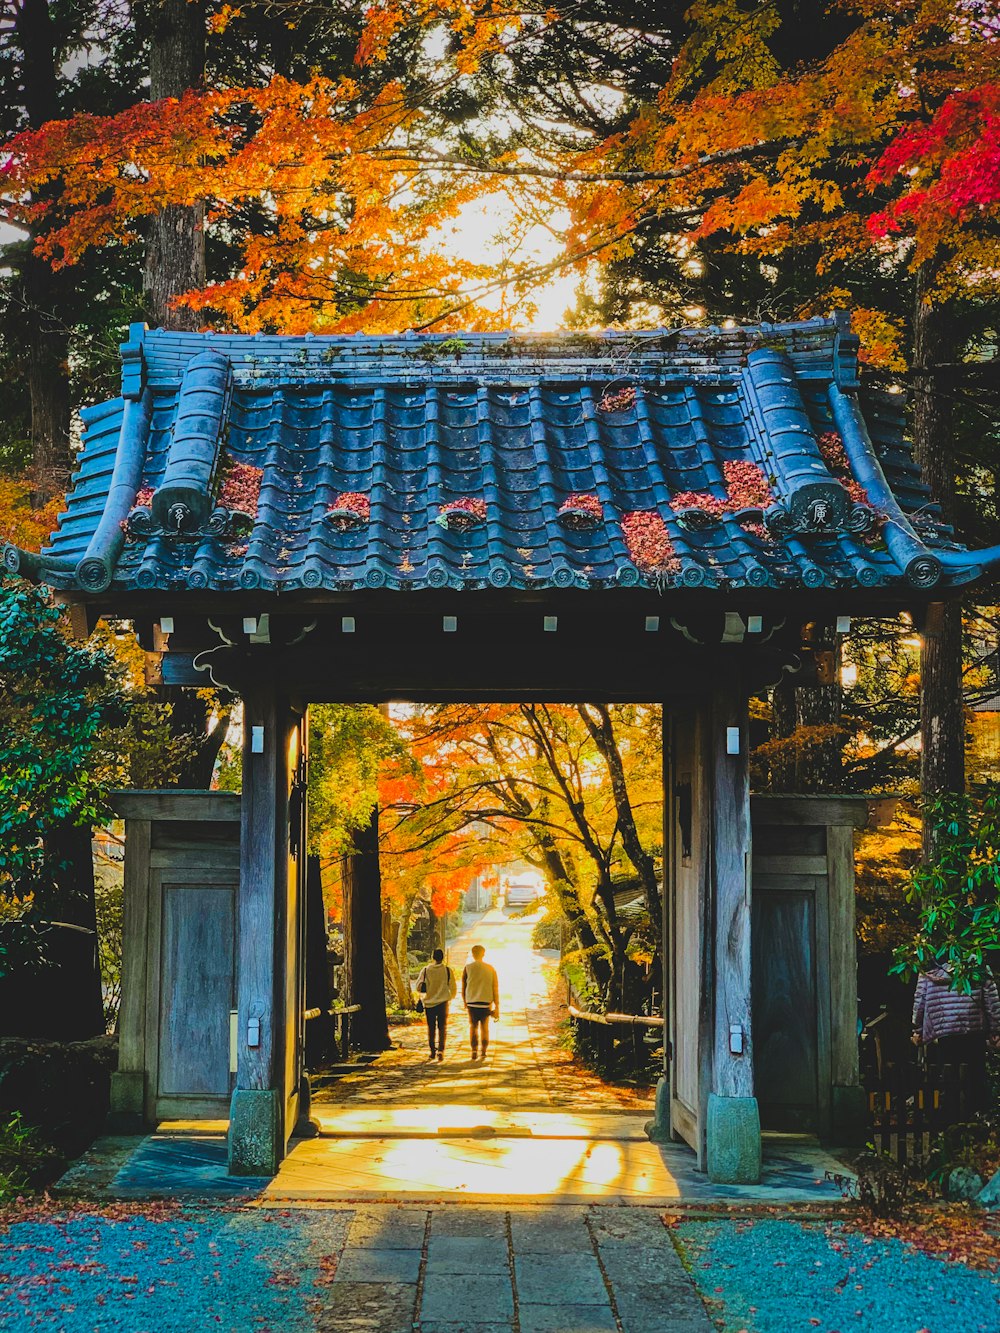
548, 932
882, 1187
110, 905
62, 1087
26, 1160
974, 1144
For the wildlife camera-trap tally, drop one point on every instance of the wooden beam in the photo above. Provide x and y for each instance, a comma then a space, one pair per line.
852, 811
217, 806
733, 1073
843, 959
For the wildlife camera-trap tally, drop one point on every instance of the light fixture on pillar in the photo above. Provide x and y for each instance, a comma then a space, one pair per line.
256, 740
652, 624
843, 624
449, 624
166, 624
755, 624
732, 740
249, 624
347, 624
550, 624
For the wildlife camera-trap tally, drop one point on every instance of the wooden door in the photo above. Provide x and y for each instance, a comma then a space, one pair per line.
688, 852
789, 945
192, 971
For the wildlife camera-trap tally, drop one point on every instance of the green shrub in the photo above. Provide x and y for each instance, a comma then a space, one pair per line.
110, 904
548, 931
883, 1188
974, 1144
62, 1087
26, 1160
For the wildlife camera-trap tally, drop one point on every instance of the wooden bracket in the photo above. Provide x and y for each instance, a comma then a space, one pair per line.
153, 668
80, 626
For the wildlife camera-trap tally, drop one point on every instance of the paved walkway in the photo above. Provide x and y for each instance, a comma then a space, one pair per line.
459, 1270
528, 1065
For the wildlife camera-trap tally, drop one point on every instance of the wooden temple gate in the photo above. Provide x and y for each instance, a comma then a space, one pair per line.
491, 524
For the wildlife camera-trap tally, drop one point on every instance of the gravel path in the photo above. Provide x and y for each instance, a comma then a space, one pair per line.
778, 1276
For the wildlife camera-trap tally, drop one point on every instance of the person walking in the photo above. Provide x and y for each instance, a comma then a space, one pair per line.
436, 986
481, 997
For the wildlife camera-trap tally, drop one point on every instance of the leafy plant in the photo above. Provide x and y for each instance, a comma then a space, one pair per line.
55, 696
549, 931
110, 903
957, 892
26, 1160
881, 1186
975, 1144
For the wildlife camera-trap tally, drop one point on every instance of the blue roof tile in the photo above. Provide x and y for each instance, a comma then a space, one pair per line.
516, 422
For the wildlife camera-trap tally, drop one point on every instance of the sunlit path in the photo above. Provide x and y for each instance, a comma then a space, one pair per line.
530, 1124
527, 1066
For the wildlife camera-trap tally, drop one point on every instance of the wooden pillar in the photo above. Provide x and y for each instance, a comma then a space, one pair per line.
733, 1147
658, 1129
128, 1082
257, 1119
848, 1109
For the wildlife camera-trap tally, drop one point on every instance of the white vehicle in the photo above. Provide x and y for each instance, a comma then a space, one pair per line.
522, 893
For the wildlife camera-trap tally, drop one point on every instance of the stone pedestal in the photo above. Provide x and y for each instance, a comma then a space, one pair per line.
256, 1142
733, 1148
126, 1114
658, 1129
848, 1115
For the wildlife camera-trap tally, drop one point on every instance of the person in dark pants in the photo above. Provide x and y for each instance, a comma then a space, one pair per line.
436, 986
481, 995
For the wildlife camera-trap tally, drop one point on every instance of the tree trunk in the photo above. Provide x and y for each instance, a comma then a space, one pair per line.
320, 1035
69, 851
175, 243
40, 288
602, 731
363, 940
192, 715
597, 958
942, 723
403, 954
812, 761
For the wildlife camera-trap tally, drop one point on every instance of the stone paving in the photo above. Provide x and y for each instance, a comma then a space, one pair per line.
543, 1270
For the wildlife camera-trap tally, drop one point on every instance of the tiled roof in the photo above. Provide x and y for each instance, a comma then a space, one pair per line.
512, 427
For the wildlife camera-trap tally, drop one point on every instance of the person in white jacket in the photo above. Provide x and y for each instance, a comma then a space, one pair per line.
436, 986
481, 996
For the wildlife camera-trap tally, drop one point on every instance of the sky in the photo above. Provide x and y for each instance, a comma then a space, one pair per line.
483, 229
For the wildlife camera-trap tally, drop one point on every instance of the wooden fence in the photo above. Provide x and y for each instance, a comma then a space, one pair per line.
911, 1102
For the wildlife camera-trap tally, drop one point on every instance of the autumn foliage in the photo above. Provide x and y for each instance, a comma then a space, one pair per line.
891, 131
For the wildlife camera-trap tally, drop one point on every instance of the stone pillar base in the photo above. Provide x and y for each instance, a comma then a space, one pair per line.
848, 1115
733, 1140
306, 1127
256, 1141
658, 1129
127, 1110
